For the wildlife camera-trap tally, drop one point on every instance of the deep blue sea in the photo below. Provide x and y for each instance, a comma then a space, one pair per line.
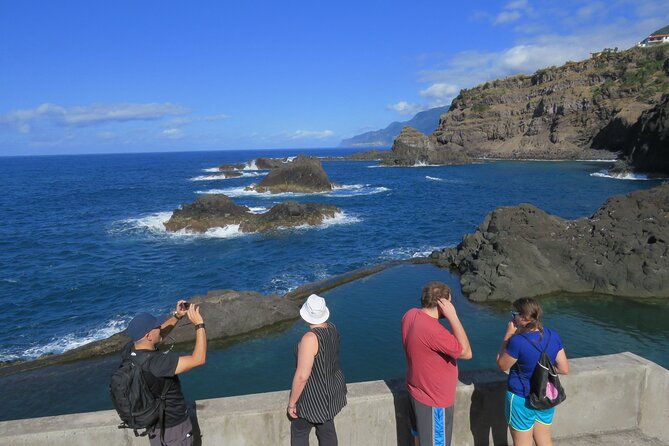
83, 249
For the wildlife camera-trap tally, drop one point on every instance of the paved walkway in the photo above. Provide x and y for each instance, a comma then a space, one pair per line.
625, 438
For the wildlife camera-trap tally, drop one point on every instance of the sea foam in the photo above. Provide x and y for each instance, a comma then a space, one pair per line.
153, 224
70, 341
405, 252
624, 176
223, 177
341, 191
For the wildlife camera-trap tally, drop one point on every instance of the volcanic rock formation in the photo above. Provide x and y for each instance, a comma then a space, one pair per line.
218, 210
622, 249
413, 148
304, 175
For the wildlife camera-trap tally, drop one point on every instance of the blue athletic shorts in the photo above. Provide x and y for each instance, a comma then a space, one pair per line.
521, 416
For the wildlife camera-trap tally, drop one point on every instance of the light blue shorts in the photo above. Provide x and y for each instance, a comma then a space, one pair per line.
521, 416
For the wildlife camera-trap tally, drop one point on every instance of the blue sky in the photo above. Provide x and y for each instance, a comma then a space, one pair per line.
147, 76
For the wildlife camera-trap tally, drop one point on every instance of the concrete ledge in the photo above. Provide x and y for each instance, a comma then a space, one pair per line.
605, 395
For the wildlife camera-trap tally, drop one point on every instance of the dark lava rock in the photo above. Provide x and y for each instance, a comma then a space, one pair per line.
304, 175
208, 211
231, 166
271, 163
622, 249
218, 210
649, 151
259, 163
289, 214
412, 148
230, 313
644, 144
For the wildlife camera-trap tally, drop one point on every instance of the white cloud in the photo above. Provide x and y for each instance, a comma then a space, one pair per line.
468, 69
309, 134
173, 133
440, 93
517, 4
405, 108
92, 114
506, 17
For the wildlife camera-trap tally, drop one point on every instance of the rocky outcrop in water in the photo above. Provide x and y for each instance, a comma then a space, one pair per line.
225, 175
258, 163
425, 122
225, 167
412, 148
218, 210
622, 249
304, 175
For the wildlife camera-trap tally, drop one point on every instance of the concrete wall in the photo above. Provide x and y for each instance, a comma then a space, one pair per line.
604, 394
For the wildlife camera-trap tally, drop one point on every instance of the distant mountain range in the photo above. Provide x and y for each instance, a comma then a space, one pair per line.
426, 121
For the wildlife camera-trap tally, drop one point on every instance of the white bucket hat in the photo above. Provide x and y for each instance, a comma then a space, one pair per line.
314, 310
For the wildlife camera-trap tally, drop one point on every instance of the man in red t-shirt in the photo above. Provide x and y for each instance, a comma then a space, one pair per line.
432, 369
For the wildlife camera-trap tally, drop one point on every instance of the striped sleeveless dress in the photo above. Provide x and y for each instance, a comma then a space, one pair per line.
324, 394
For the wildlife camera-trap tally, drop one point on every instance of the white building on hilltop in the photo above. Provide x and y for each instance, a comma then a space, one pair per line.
658, 37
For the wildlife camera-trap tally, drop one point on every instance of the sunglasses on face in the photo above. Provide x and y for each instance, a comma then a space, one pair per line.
515, 313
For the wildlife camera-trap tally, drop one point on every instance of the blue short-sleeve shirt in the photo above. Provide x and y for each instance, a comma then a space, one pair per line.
527, 355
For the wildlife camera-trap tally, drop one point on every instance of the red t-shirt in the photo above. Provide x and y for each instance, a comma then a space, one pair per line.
432, 352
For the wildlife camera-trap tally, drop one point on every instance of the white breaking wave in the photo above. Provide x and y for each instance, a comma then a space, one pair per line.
340, 218
9, 280
443, 180
337, 191
223, 177
71, 340
154, 224
624, 176
408, 252
211, 169
251, 165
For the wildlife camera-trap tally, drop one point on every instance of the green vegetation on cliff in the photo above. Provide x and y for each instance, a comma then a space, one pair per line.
558, 112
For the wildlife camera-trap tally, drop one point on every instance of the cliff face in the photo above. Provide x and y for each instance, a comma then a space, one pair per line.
559, 112
648, 151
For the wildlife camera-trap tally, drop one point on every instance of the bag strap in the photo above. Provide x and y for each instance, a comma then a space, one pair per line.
167, 384
538, 346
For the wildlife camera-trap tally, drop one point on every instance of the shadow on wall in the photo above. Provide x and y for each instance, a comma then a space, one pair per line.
487, 421
401, 401
486, 411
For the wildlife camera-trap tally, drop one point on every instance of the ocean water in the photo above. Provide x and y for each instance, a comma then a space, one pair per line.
82, 250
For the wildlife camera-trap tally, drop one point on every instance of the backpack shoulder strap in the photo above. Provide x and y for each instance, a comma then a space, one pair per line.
538, 347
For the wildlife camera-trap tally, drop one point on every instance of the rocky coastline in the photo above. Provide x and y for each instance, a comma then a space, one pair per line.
621, 250
612, 105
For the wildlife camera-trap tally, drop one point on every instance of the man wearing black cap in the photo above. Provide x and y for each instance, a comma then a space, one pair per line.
146, 331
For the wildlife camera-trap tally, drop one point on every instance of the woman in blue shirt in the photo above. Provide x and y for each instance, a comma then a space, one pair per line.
518, 356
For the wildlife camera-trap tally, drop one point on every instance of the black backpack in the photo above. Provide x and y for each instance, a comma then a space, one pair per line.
131, 395
545, 388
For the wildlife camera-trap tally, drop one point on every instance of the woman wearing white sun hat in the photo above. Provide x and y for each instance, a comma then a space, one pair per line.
318, 392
